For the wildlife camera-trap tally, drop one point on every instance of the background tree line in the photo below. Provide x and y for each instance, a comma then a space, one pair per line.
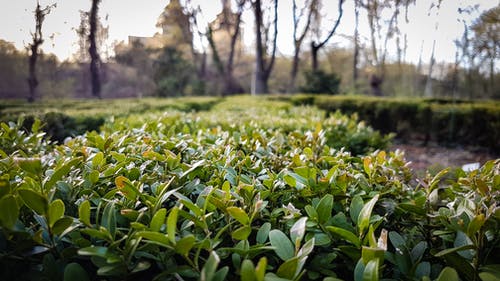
193, 56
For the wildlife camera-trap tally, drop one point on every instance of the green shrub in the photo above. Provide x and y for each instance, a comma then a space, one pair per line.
179, 198
321, 82
448, 123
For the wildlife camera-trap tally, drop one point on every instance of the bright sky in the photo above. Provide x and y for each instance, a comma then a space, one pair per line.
134, 17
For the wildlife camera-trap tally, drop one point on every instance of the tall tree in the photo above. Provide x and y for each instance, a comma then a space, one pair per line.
263, 63
95, 60
309, 7
317, 43
355, 61
380, 34
486, 41
229, 23
428, 85
37, 37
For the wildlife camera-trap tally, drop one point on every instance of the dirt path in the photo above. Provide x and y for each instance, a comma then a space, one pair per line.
435, 157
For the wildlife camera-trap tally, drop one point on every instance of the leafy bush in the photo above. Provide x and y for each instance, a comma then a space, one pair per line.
443, 121
172, 73
321, 82
179, 198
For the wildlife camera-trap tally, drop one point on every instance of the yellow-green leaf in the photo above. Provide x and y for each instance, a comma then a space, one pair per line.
56, 211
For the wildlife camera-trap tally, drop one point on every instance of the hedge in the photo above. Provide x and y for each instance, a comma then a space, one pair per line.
440, 120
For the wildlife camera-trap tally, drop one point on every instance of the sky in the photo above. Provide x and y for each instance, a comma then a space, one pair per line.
138, 18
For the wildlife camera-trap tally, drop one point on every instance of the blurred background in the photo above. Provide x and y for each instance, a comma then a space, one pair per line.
116, 49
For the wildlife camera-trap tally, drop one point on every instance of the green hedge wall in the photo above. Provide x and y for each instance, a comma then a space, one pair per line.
443, 121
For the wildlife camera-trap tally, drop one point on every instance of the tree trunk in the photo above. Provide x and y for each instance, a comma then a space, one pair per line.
263, 71
355, 71
37, 41
294, 71
32, 81
314, 57
428, 85
316, 46
260, 84
94, 55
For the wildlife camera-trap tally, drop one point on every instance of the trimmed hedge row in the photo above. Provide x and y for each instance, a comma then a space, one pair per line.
443, 121
68, 118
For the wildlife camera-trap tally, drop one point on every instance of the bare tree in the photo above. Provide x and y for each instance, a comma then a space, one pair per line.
428, 85
37, 37
310, 6
317, 44
95, 61
263, 63
355, 61
230, 23
380, 34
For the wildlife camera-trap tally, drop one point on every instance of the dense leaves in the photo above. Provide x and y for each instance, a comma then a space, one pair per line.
238, 194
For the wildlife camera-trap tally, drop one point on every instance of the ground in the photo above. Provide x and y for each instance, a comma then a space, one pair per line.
435, 157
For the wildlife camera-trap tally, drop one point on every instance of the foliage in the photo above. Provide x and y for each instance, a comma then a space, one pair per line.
172, 73
321, 82
452, 122
209, 196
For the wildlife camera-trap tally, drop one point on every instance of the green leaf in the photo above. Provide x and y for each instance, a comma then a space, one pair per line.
282, 245
260, 269
98, 251
34, 200
345, 234
193, 167
355, 207
324, 208
248, 271
298, 230
475, 225
367, 164
61, 172
489, 276
30, 165
368, 254
418, 251
263, 233
56, 211
423, 269
99, 234
172, 223
158, 220
185, 244
359, 270
61, 225
273, 277
98, 160
126, 188
156, 237
453, 250
208, 270
239, 215
365, 214
448, 274
75, 272
242, 233
463, 266
311, 212
221, 274
9, 211
108, 219
397, 240
288, 268
84, 212
371, 271
306, 249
